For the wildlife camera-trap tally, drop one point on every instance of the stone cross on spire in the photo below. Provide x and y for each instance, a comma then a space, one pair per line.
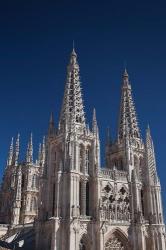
127, 111
72, 111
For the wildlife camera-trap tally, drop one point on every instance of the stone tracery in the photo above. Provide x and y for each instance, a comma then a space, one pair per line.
115, 206
114, 244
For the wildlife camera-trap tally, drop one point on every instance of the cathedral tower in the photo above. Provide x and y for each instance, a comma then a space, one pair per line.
85, 207
72, 164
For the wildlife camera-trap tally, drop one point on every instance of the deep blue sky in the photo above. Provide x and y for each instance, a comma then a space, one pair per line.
35, 44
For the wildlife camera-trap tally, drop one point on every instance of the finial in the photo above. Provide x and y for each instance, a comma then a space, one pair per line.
125, 74
73, 50
148, 127
125, 78
125, 64
73, 46
31, 138
52, 118
44, 140
94, 114
51, 128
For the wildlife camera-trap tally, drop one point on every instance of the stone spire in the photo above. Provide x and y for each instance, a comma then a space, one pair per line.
40, 153
29, 156
72, 111
10, 155
127, 111
94, 122
43, 152
51, 127
17, 150
150, 158
17, 199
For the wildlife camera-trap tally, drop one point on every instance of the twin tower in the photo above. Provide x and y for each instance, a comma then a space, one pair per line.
78, 204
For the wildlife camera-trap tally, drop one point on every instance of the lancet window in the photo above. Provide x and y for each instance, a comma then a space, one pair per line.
34, 181
33, 204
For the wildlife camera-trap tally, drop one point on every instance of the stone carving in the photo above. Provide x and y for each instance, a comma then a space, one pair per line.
115, 206
114, 244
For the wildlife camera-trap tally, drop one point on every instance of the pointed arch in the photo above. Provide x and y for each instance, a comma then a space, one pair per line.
116, 239
33, 204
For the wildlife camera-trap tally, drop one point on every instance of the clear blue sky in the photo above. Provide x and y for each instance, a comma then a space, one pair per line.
35, 44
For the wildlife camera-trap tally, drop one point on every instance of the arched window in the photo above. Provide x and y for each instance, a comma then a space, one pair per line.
115, 163
33, 204
120, 164
34, 181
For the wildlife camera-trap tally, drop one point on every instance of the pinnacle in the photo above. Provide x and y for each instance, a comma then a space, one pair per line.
73, 50
94, 114
125, 74
52, 118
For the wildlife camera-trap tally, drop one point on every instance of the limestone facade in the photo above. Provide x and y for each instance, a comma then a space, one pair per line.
82, 205
89, 207
20, 187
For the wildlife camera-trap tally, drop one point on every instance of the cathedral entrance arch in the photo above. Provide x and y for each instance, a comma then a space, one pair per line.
116, 240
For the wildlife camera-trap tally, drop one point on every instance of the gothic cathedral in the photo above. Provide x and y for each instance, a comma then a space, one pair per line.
70, 202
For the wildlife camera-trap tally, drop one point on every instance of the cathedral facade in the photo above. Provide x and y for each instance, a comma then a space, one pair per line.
74, 202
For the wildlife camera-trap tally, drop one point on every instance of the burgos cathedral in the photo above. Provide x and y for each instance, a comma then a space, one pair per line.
65, 200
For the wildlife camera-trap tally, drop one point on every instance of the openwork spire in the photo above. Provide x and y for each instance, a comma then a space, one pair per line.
150, 157
72, 111
29, 156
10, 155
127, 111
